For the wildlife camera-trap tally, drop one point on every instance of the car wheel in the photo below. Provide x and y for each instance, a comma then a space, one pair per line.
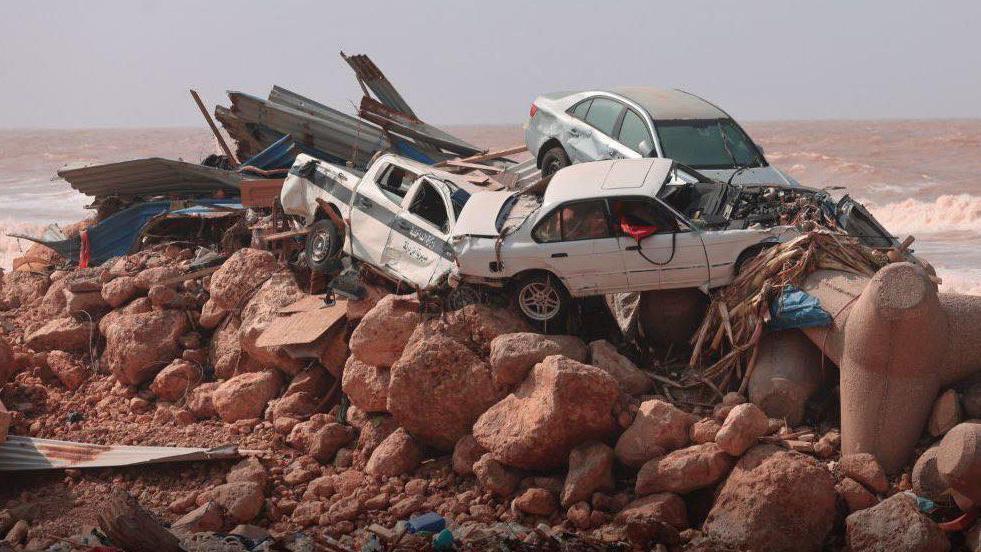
542, 300
323, 243
553, 160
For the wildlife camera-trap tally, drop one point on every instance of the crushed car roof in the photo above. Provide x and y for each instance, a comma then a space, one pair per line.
670, 104
608, 178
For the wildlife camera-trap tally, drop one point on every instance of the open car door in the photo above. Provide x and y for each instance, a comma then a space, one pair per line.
418, 248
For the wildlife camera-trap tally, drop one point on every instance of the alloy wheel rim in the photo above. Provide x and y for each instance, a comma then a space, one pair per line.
539, 301
321, 246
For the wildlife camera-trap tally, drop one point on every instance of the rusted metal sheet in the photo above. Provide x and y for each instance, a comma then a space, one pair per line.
406, 125
303, 327
20, 453
261, 192
368, 74
148, 177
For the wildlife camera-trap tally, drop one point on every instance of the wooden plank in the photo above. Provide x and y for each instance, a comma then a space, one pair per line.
214, 128
475, 166
284, 235
514, 150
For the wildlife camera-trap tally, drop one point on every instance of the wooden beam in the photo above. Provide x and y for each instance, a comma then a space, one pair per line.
214, 129
514, 150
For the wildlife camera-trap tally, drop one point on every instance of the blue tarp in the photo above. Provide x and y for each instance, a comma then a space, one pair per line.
795, 308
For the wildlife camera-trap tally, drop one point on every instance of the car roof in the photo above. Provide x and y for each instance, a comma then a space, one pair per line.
619, 177
667, 104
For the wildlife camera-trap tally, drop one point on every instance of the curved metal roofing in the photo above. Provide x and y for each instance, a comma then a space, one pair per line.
151, 176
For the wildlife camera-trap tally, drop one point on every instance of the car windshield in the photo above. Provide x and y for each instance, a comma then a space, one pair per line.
707, 144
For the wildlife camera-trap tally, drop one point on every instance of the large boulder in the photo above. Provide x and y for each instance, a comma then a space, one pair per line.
136, 306
590, 470
22, 289
658, 427
476, 326
140, 345
632, 380
85, 304
382, 334
398, 454
240, 276
894, 524
175, 381
119, 291
437, 390
562, 403
684, 470
156, 276
245, 396
774, 500
64, 334
366, 385
279, 291
513, 355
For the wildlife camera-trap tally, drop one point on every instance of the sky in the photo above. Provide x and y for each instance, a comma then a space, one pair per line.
130, 63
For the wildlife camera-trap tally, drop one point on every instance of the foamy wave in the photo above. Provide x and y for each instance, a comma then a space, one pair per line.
947, 213
960, 280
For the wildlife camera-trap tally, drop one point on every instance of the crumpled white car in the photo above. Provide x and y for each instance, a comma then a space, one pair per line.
609, 227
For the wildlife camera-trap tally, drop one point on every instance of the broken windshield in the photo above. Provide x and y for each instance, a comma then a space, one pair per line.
708, 144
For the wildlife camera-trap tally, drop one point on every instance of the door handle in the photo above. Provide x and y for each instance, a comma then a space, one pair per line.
555, 255
633, 248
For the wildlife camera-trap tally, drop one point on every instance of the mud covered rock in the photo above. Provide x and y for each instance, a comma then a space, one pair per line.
856, 496
561, 404
64, 334
22, 289
119, 291
743, 427
175, 381
496, 477
894, 524
226, 354
536, 501
513, 355
665, 507
243, 501
53, 304
240, 276
67, 369
277, 292
211, 315
864, 468
465, 453
140, 345
327, 440
136, 306
366, 385
200, 401
85, 304
684, 470
590, 470
245, 396
632, 380
383, 332
398, 454
658, 427
773, 500
156, 276
475, 326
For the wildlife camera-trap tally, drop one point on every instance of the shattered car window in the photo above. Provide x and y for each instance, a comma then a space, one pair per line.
427, 204
395, 182
583, 220
707, 144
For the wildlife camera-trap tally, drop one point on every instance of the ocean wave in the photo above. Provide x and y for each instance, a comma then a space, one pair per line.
11, 248
960, 280
947, 213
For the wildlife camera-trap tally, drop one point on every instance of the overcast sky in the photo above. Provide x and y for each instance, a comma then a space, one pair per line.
130, 62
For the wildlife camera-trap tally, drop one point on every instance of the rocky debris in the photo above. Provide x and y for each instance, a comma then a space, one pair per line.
705, 431
200, 400
561, 404
743, 427
495, 476
240, 276
69, 371
211, 315
632, 380
136, 306
946, 413
163, 297
774, 499
140, 345
63, 334
664, 507
8, 364
87, 304
207, 517
437, 390
154, 276
119, 291
248, 470
684, 470
959, 460
855, 495
466, 452
22, 289
226, 354
659, 427
176, 380
536, 501
590, 470
382, 334
474, 326
326, 441
513, 355
398, 454
243, 501
54, 304
365, 385
894, 524
864, 468
277, 292
926, 478
245, 396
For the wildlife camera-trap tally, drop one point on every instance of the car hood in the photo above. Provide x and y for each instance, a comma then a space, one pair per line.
479, 215
755, 175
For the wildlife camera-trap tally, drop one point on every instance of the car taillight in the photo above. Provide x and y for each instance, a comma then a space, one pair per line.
532, 111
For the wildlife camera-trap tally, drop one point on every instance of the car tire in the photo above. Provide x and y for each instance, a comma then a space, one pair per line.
542, 300
322, 244
554, 160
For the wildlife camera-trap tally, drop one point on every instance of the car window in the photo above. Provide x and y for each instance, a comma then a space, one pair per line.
634, 133
429, 205
395, 182
603, 114
640, 217
583, 220
707, 144
579, 111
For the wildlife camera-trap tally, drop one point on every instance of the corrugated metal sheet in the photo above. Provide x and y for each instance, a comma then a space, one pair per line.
371, 76
30, 454
147, 177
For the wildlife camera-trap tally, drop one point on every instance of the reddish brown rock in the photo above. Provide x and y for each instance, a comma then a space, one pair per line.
325, 443
632, 380
211, 315
8, 365
136, 306
248, 470
240, 276
657, 428
245, 396
743, 427
398, 454
298, 406
580, 515
705, 431
63, 334
242, 501
54, 303
22, 289
163, 297
495, 476
774, 500
67, 369
946, 413
140, 345
590, 470
513, 355
200, 402
227, 357
856, 496
320, 488
437, 390
365, 385
561, 404
119, 291
474, 326
465, 453
176, 380
279, 291
382, 334
894, 524
86, 305
207, 517
664, 507
536, 501
684, 470
864, 468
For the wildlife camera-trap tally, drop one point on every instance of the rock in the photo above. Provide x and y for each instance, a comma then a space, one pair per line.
53, 304
466, 451
536, 501
68, 370
864, 468
774, 500
251, 532
345, 509
200, 402
242, 501
119, 291
684, 470
325, 443
366, 385
632, 380
402, 509
513, 355
926, 478
245, 396
657, 428
8, 366
314, 381
248, 470
437, 390
279, 291
705, 431
156, 276
474, 326
495, 476
561, 404
855, 495
211, 315
136, 306
63, 334
227, 357
307, 513
788, 371
17, 533
382, 334
22, 289
320, 488
665, 507
590, 470
176, 380
959, 461
579, 514
298, 406
398, 454
357, 308
89, 304
207, 517
946, 413
894, 524
163, 297
239, 276
139, 345
743, 427
971, 400
376, 430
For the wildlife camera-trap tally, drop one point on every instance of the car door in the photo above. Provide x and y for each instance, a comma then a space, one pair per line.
372, 213
661, 251
418, 247
591, 138
580, 246
634, 138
